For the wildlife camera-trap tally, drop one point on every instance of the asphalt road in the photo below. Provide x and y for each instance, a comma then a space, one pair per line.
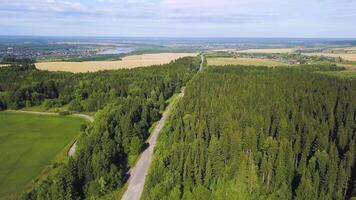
138, 173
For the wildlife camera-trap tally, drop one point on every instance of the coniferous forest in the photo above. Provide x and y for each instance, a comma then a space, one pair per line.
126, 102
238, 133
259, 133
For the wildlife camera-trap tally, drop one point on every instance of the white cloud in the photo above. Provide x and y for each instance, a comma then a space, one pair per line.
178, 17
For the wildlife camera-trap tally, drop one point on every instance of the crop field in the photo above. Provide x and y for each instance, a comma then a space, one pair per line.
346, 56
29, 143
224, 50
275, 50
243, 61
126, 62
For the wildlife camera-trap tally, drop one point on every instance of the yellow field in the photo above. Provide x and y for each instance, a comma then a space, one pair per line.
275, 50
126, 63
226, 50
346, 56
243, 61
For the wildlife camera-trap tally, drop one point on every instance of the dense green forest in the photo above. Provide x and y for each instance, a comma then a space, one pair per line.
126, 102
259, 133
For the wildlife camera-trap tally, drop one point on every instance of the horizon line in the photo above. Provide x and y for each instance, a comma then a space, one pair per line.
174, 37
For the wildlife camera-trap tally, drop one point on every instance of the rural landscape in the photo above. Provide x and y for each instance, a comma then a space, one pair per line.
170, 100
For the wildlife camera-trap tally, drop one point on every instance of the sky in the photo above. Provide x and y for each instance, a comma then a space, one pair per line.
180, 18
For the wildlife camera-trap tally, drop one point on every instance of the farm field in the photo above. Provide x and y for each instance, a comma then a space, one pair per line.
29, 143
126, 62
346, 56
243, 61
274, 50
225, 50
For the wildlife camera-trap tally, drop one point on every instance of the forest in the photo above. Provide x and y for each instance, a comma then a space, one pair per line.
126, 103
259, 133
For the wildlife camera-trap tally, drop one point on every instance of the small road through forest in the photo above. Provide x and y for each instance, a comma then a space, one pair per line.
138, 173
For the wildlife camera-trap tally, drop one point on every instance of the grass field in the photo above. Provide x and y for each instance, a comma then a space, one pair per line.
346, 56
275, 50
126, 62
29, 143
243, 61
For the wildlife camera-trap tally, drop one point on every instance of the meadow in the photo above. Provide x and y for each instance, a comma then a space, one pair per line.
127, 62
29, 143
242, 61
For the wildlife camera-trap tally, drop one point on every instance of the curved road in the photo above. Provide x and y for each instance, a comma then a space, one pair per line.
72, 148
138, 173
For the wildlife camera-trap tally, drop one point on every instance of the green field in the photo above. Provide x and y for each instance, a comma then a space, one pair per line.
28, 143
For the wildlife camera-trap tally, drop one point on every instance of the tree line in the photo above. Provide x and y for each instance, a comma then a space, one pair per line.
126, 102
259, 133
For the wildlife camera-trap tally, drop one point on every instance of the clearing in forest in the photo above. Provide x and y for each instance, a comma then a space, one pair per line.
127, 62
29, 143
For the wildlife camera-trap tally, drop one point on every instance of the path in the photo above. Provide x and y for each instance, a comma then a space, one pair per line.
86, 117
73, 147
138, 173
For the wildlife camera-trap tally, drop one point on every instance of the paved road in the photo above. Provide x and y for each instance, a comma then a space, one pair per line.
72, 148
138, 173
201, 63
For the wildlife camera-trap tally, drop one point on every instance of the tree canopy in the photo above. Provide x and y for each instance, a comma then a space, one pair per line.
258, 133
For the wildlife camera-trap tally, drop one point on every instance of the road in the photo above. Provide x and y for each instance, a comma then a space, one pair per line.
86, 117
73, 147
201, 63
138, 173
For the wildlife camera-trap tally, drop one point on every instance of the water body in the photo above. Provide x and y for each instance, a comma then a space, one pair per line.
119, 50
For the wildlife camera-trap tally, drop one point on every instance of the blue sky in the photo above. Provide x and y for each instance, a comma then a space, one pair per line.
179, 18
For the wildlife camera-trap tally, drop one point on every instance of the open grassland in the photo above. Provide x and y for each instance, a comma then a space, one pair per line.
126, 62
274, 50
346, 56
215, 61
29, 143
